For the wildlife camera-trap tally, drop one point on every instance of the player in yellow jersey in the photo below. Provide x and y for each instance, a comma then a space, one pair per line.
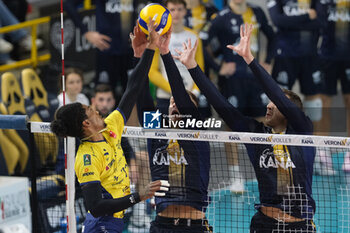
100, 163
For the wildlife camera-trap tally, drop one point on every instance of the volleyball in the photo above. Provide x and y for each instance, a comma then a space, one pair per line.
159, 14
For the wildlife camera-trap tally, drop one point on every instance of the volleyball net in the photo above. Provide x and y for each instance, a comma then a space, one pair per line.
233, 192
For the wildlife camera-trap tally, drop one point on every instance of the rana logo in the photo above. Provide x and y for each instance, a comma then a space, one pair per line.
196, 135
125, 130
87, 159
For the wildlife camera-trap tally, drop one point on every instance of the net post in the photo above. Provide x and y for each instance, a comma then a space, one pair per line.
34, 194
70, 186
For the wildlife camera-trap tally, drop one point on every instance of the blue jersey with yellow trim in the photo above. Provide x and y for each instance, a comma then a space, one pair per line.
226, 28
336, 31
284, 174
297, 34
104, 161
186, 165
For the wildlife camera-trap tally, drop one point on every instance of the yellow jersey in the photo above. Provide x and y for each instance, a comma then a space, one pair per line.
104, 162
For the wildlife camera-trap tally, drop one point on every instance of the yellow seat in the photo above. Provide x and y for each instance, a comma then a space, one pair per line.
10, 152
12, 102
34, 90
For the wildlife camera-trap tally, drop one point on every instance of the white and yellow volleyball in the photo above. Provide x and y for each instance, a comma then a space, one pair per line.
157, 12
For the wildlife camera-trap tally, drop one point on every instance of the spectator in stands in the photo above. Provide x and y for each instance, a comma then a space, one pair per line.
74, 81
179, 35
18, 8
335, 50
236, 81
19, 37
284, 173
114, 22
198, 14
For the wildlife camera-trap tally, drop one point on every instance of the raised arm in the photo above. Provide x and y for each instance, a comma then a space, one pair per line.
178, 90
295, 116
139, 75
233, 118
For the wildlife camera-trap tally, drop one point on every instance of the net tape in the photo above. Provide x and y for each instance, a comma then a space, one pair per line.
221, 136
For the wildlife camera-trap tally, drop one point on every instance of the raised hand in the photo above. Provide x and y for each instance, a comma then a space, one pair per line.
151, 189
188, 54
164, 41
139, 41
98, 40
153, 37
243, 48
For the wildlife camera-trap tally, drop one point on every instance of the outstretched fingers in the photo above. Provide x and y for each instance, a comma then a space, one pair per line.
160, 185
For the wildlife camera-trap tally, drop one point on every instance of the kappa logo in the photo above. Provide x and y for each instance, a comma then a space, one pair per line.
87, 159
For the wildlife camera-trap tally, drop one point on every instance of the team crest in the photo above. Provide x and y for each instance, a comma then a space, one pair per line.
87, 159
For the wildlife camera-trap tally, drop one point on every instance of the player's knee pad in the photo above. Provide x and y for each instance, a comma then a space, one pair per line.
313, 109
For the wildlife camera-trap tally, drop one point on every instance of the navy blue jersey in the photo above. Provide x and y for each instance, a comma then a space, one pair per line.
115, 19
297, 34
197, 17
185, 164
284, 173
335, 15
226, 28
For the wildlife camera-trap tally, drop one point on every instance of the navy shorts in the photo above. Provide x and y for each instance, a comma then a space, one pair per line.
243, 91
262, 224
179, 225
106, 224
334, 71
287, 70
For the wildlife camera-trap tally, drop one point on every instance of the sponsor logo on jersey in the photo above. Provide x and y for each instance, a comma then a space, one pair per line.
162, 157
268, 160
87, 159
88, 173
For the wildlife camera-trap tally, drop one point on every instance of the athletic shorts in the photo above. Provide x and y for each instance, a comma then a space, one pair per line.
333, 71
287, 70
243, 91
105, 224
179, 225
262, 224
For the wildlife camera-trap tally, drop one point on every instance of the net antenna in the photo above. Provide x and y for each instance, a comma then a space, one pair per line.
69, 152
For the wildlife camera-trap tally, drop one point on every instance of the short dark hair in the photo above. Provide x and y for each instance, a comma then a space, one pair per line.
166, 2
102, 88
293, 97
69, 121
